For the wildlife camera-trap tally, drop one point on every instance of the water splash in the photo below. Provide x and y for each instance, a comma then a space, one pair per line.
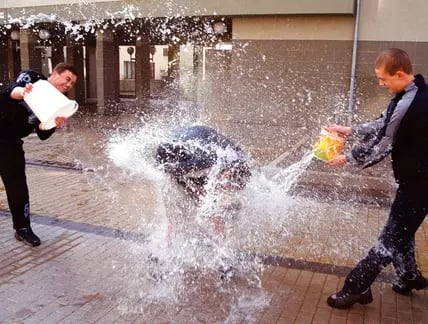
181, 239
287, 178
246, 306
78, 20
170, 264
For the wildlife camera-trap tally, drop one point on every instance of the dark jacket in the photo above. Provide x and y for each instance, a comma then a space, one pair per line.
410, 147
16, 118
196, 148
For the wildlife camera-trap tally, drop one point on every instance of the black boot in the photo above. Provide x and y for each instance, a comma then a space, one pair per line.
27, 236
404, 285
343, 299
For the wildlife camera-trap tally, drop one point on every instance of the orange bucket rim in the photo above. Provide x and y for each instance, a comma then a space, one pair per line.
333, 133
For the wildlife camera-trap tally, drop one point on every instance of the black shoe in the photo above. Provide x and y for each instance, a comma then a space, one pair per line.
27, 236
344, 300
404, 286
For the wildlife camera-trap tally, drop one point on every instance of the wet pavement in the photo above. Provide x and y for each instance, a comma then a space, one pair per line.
92, 221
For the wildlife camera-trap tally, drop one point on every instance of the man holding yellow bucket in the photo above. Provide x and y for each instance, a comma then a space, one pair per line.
401, 130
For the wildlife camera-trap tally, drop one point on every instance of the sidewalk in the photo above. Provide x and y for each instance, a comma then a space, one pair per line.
90, 266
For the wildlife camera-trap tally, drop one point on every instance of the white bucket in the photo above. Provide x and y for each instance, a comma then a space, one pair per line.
47, 103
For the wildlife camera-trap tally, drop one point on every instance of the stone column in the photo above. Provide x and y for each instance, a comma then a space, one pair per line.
4, 64
30, 55
74, 56
142, 71
57, 54
14, 59
91, 74
197, 72
107, 72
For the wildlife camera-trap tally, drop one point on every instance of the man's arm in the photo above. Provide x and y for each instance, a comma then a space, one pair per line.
365, 154
365, 129
374, 150
44, 134
24, 83
17, 93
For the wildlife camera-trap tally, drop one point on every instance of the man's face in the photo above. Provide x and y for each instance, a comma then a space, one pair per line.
64, 82
393, 83
229, 179
225, 180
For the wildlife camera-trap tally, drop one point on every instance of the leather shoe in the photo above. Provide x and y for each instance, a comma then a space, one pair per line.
27, 236
405, 285
343, 299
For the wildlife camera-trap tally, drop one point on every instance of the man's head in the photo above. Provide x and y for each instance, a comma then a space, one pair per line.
394, 70
63, 77
234, 175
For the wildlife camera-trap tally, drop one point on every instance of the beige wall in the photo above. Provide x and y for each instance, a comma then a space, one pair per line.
208, 7
295, 27
37, 3
380, 20
394, 20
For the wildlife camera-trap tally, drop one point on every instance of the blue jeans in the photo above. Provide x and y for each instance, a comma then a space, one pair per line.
396, 242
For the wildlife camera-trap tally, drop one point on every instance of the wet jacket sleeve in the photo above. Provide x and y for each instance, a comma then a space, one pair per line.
368, 155
369, 129
373, 149
44, 134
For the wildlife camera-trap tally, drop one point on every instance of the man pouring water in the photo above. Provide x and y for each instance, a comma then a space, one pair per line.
17, 121
401, 131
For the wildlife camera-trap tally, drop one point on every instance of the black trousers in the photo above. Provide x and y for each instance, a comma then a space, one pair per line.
12, 172
396, 242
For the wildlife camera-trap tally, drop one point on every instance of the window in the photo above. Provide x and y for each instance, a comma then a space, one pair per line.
129, 69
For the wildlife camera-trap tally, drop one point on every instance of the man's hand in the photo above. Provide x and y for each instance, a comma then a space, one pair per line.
337, 161
60, 122
19, 92
345, 130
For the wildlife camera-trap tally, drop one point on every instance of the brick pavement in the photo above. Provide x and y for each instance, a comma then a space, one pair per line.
89, 267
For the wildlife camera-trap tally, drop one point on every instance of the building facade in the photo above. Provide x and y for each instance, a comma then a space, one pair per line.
269, 73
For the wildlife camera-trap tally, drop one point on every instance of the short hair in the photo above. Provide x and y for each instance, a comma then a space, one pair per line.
61, 67
393, 60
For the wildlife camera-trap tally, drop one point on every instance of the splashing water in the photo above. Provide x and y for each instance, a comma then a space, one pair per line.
244, 310
92, 19
287, 178
181, 246
179, 255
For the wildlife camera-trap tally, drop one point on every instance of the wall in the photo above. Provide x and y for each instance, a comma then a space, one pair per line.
286, 80
293, 75
293, 28
196, 7
394, 20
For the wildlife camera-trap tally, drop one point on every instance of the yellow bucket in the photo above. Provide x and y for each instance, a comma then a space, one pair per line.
329, 145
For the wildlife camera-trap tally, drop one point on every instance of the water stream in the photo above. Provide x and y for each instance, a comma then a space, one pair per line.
181, 248
180, 257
